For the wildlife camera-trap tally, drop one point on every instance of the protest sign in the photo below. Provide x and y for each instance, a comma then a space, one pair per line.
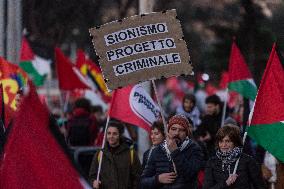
141, 48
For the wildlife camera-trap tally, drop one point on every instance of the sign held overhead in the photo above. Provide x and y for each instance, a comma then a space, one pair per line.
141, 48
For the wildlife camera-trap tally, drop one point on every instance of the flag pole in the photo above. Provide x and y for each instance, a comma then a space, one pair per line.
160, 106
244, 137
3, 108
163, 118
224, 107
101, 150
62, 104
65, 106
237, 163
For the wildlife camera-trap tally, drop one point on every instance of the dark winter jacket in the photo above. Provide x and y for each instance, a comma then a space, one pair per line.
248, 171
145, 159
146, 156
119, 170
82, 128
210, 124
188, 162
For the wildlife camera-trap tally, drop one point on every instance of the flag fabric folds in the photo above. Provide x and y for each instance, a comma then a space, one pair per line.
240, 78
37, 68
12, 78
93, 74
267, 126
132, 104
69, 77
32, 157
2, 121
2, 107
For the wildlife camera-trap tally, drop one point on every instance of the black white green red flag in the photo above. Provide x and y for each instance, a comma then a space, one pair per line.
240, 78
37, 67
266, 125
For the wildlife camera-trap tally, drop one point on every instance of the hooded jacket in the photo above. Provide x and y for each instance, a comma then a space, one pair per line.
118, 171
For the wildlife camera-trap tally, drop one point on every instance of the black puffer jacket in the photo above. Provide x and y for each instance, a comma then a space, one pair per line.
249, 174
188, 162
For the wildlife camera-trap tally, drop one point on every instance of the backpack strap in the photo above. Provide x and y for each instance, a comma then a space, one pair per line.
131, 150
99, 155
131, 154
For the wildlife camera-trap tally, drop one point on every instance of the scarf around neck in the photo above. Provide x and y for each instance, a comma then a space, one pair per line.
229, 157
184, 144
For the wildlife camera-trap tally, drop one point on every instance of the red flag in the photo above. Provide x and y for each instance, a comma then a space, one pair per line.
12, 78
267, 126
270, 97
27, 53
12, 71
2, 106
90, 70
240, 78
134, 105
224, 80
32, 157
2, 120
238, 69
69, 77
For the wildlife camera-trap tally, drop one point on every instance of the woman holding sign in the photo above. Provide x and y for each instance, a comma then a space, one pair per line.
220, 173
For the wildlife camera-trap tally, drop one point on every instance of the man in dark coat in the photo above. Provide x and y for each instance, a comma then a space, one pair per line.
211, 122
175, 163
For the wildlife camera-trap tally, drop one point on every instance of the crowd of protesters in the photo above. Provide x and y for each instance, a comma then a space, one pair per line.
200, 149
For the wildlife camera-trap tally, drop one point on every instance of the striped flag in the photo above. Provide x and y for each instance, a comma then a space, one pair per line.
267, 126
240, 78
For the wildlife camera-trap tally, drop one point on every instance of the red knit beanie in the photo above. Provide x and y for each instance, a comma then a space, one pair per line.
180, 120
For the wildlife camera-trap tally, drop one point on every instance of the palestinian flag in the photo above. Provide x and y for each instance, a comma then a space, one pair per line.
36, 67
267, 126
240, 78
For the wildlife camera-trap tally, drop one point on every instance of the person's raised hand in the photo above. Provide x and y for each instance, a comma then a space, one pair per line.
172, 145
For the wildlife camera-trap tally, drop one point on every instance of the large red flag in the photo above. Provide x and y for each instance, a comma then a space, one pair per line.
69, 77
32, 157
132, 104
267, 121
